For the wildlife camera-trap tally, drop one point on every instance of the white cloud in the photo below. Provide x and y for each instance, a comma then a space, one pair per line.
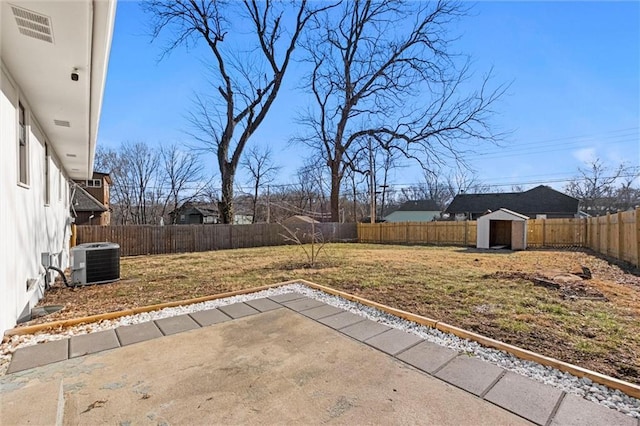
585, 155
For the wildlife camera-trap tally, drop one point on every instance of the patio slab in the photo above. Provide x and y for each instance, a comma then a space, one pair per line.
470, 374
263, 305
136, 333
427, 356
321, 312
530, 399
277, 367
93, 342
303, 304
238, 310
209, 317
177, 324
38, 355
364, 330
286, 297
576, 411
341, 320
393, 341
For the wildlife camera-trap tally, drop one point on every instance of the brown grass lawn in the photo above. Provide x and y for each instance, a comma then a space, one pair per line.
474, 290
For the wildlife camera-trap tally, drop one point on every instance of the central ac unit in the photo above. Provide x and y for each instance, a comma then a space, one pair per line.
95, 263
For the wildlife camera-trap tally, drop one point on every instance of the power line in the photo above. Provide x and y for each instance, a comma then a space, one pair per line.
611, 134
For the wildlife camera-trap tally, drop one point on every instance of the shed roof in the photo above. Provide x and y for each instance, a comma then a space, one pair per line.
503, 214
300, 219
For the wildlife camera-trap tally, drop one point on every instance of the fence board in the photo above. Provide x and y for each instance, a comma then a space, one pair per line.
150, 239
615, 235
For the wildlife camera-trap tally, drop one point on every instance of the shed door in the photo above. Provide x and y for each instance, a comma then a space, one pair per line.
517, 235
500, 233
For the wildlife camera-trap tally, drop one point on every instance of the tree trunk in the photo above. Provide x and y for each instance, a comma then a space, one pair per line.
336, 179
255, 200
225, 206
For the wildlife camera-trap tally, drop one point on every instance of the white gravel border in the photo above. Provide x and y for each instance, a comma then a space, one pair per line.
583, 387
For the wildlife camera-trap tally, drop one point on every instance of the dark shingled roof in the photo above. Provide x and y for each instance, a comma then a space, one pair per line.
85, 202
419, 206
539, 200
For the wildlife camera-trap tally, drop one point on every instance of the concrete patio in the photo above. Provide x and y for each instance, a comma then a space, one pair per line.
284, 359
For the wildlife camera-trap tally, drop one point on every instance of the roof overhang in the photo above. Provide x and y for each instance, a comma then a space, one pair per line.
67, 111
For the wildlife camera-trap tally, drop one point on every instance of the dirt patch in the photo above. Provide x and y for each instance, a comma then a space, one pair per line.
571, 286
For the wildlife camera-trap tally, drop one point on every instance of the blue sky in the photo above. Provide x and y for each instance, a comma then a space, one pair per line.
574, 69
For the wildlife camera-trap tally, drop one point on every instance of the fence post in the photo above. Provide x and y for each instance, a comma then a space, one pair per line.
608, 232
637, 221
466, 231
544, 232
620, 237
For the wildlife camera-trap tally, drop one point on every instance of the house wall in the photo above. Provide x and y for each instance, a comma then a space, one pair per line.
29, 227
101, 194
99, 218
400, 216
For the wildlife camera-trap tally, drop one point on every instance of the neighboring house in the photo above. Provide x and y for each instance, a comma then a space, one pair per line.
191, 213
195, 213
242, 219
415, 211
298, 220
539, 202
53, 64
90, 203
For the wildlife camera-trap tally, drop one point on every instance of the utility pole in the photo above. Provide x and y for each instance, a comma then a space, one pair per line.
372, 184
268, 206
384, 193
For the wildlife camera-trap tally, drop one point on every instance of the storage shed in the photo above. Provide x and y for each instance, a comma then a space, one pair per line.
502, 229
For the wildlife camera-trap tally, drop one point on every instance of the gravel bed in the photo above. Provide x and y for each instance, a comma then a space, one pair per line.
583, 387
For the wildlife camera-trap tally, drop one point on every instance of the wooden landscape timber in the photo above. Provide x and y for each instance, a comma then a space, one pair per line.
611, 382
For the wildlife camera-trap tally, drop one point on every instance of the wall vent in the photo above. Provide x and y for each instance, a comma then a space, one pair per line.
33, 24
62, 123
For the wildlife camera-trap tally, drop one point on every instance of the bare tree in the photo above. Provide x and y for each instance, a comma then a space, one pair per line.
595, 186
442, 186
182, 176
262, 171
146, 180
385, 70
140, 179
462, 180
628, 191
246, 86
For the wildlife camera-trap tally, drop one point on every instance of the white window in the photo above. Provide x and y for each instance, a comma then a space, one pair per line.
94, 183
23, 163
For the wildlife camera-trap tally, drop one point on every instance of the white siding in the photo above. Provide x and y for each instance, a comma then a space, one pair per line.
28, 227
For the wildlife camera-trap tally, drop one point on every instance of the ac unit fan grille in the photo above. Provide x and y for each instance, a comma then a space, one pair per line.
103, 265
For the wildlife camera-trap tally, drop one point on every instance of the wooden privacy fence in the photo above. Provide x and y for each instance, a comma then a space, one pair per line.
442, 233
616, 235
150, 239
